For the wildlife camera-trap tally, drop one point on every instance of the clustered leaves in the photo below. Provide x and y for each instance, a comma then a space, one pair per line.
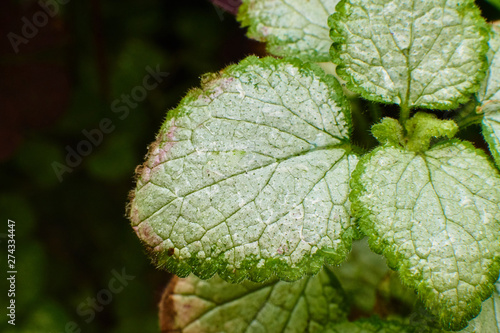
254, 175
307, 305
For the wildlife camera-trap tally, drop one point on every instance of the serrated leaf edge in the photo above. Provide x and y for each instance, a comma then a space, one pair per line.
380, 246
257, 270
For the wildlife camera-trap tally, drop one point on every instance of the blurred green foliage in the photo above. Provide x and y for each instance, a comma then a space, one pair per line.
72, 234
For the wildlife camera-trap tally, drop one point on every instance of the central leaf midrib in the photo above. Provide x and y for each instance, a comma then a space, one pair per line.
227, 217
297, 300
282, 105
218, 305
253, 199
239, 297
262, 306
430, 177
406, 102
341, 145
302, 201
456, 180
429, 173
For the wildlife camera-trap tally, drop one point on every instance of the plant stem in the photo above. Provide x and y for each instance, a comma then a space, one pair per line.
375, 112
468, 116
471, 120
404, 115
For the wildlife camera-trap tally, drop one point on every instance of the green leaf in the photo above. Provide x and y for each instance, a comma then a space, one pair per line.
489, 318
290, 28
420, 130
360, 275
368, 281
435, 216
414, 53
422, 321
395, 298
371, 325
203, 306
389, 132
249, 176
491, 129
422, 127
489, 96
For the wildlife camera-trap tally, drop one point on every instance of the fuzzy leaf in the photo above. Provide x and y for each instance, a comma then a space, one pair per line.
489, 318
491, 129
290, 27
489, 96
422, 127
435, 216
420, 130
203, 306
389, 132
421, 53
249, 176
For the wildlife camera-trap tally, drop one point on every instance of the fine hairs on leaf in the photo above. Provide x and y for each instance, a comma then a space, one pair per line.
254, 190
489, 96
250, 175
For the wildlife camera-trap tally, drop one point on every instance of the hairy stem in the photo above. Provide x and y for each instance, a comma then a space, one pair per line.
468, 116
404, 115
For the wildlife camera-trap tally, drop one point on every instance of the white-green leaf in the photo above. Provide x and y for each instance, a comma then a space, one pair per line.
249, 176
435, 216
489, 318
290, 27
204, 306
416, 53
491, 128
489, 96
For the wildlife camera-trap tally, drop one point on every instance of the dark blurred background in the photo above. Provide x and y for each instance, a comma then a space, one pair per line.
60, 77
75, 119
